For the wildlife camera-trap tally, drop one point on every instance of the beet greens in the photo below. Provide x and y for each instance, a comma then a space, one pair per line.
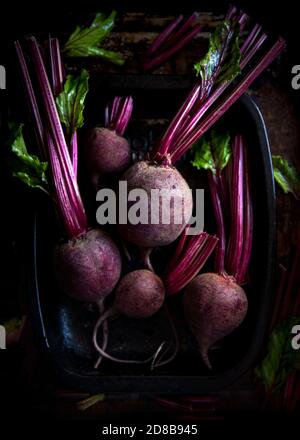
226, 60
87, 41
88, 264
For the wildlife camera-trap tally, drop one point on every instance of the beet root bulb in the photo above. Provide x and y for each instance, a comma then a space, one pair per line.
161, 231
106, 152
140, 294
89, 267
214, 306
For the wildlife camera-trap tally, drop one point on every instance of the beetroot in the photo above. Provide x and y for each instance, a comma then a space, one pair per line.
88, 267
139, 294
214, 306
106, 152
147, 176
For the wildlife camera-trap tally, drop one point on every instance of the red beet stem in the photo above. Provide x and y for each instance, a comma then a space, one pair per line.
241, 273
50, 132
57, 70
178, 120
57, 132
171, 41
219, 218
162, 37
31, 101
161, 58
190, 256
226, 102
236, 237
118, 114
58, 76
184, 28
45, 138
197, 115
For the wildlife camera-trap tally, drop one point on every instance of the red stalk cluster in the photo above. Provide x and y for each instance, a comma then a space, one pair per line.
190, 255
233, 241
218, 207
171, 40
118, 114
241, 221
50, 135
207, 102
58, 77
232, 186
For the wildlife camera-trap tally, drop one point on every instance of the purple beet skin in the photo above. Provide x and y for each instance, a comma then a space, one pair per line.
139, 294
89, 267
106, 152
146, 176
214, 306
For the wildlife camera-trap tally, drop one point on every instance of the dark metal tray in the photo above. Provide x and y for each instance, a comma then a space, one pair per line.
64, 327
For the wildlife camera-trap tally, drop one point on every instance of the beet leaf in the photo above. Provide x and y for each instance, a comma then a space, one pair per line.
86, 41
222, 60
280, 359
212, 152
286, 176
70, 102
26, 167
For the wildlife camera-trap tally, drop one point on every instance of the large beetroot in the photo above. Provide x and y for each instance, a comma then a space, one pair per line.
214, 306
88, 267
154, 232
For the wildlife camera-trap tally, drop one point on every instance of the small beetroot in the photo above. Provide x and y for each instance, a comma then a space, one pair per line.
139, 294
106, 150
214, 306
